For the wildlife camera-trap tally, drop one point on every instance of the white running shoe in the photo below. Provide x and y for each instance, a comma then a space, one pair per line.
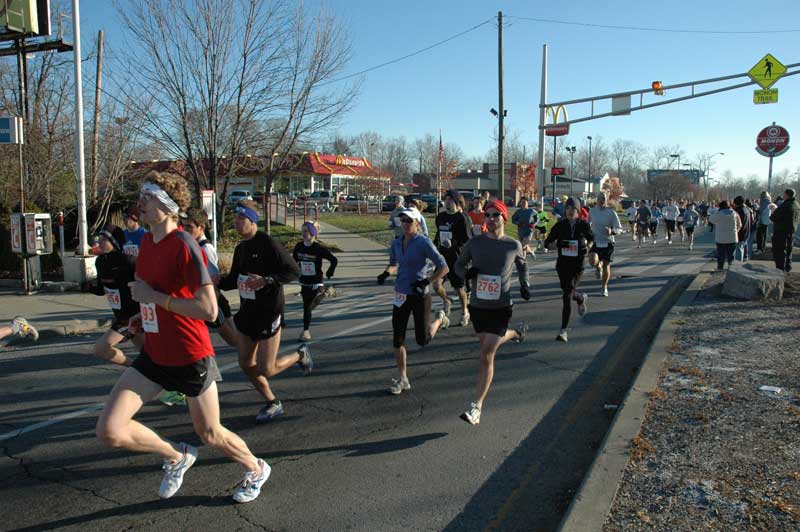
691, 246
654, 241
669, 242
399, 386
473, 414
305, 336
306, 362
448, 305
20, 326
605, 292
465, 319
443, 317
174, 471
250, 488
562, 336
582, 306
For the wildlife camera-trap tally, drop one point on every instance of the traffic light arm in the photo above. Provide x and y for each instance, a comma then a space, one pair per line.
642, 92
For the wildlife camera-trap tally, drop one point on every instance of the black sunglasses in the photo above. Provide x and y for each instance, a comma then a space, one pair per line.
493, 215
406, 220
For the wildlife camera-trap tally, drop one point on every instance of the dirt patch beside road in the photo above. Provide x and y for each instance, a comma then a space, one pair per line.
719, 447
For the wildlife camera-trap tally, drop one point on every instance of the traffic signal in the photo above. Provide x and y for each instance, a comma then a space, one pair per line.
658, 88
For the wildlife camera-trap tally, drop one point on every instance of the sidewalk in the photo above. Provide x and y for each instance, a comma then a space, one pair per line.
360, 257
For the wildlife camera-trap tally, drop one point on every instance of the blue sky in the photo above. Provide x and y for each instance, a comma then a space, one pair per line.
453, 86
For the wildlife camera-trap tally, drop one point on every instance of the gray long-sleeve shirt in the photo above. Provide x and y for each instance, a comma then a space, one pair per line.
601, 221
494, 259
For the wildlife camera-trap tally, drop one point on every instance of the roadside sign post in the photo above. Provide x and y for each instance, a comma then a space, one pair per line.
772, 141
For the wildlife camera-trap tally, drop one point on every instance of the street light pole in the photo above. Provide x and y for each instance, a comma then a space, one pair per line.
571, 150
590, 159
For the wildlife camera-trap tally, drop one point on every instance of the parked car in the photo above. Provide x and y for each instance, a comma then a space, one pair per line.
467, 195
235, 196
389, 202
430, 200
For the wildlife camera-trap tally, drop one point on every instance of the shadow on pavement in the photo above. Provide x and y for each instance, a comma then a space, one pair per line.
533, 487
139, 509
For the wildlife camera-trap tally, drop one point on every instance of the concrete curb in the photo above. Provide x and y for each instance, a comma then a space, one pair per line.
588, 510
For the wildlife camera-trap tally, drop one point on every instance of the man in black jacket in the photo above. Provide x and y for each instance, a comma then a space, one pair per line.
785, 219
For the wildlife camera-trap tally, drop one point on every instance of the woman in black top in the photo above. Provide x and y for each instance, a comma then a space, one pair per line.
115, 270
573, 238
309, 254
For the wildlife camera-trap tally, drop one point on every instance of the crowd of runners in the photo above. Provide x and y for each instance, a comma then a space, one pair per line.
164, 287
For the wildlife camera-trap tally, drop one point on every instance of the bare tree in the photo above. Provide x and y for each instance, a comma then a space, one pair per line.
216, 80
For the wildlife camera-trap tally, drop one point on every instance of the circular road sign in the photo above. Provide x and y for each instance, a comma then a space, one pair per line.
772, 141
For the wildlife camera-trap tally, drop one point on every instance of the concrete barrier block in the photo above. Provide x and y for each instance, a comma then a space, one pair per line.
754, 281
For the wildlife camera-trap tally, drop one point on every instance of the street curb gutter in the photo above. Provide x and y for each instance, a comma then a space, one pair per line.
588, 510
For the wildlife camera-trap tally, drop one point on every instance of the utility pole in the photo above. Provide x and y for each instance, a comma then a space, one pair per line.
502, 110
96, 133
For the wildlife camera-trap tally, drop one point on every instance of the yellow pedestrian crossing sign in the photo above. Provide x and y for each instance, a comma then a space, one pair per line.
767, 71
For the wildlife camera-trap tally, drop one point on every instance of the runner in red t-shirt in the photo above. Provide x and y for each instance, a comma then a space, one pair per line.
477, 216
175, 295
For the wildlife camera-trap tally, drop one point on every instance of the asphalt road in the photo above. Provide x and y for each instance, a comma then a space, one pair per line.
348, 456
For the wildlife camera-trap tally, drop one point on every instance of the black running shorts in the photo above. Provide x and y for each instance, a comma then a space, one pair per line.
223, 312
455, 281
604, 253
191, 380
259, 325
670, 225
492, 321
420, 307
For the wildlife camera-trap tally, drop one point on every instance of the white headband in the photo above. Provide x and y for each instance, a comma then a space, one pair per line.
162, 196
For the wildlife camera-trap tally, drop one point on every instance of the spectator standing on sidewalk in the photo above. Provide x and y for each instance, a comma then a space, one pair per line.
743, 249
765, 209
786, 219
726, 234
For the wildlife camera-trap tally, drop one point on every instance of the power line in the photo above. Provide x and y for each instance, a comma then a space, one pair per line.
662, 30
412, 54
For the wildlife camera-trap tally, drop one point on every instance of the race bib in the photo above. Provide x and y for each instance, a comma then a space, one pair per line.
488, 287
112, 296
244, 291
132, 250
570, 249
399, 299
601, 244
445, 237
397, 222
477, 229
308, 268
680, 218
149, 317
